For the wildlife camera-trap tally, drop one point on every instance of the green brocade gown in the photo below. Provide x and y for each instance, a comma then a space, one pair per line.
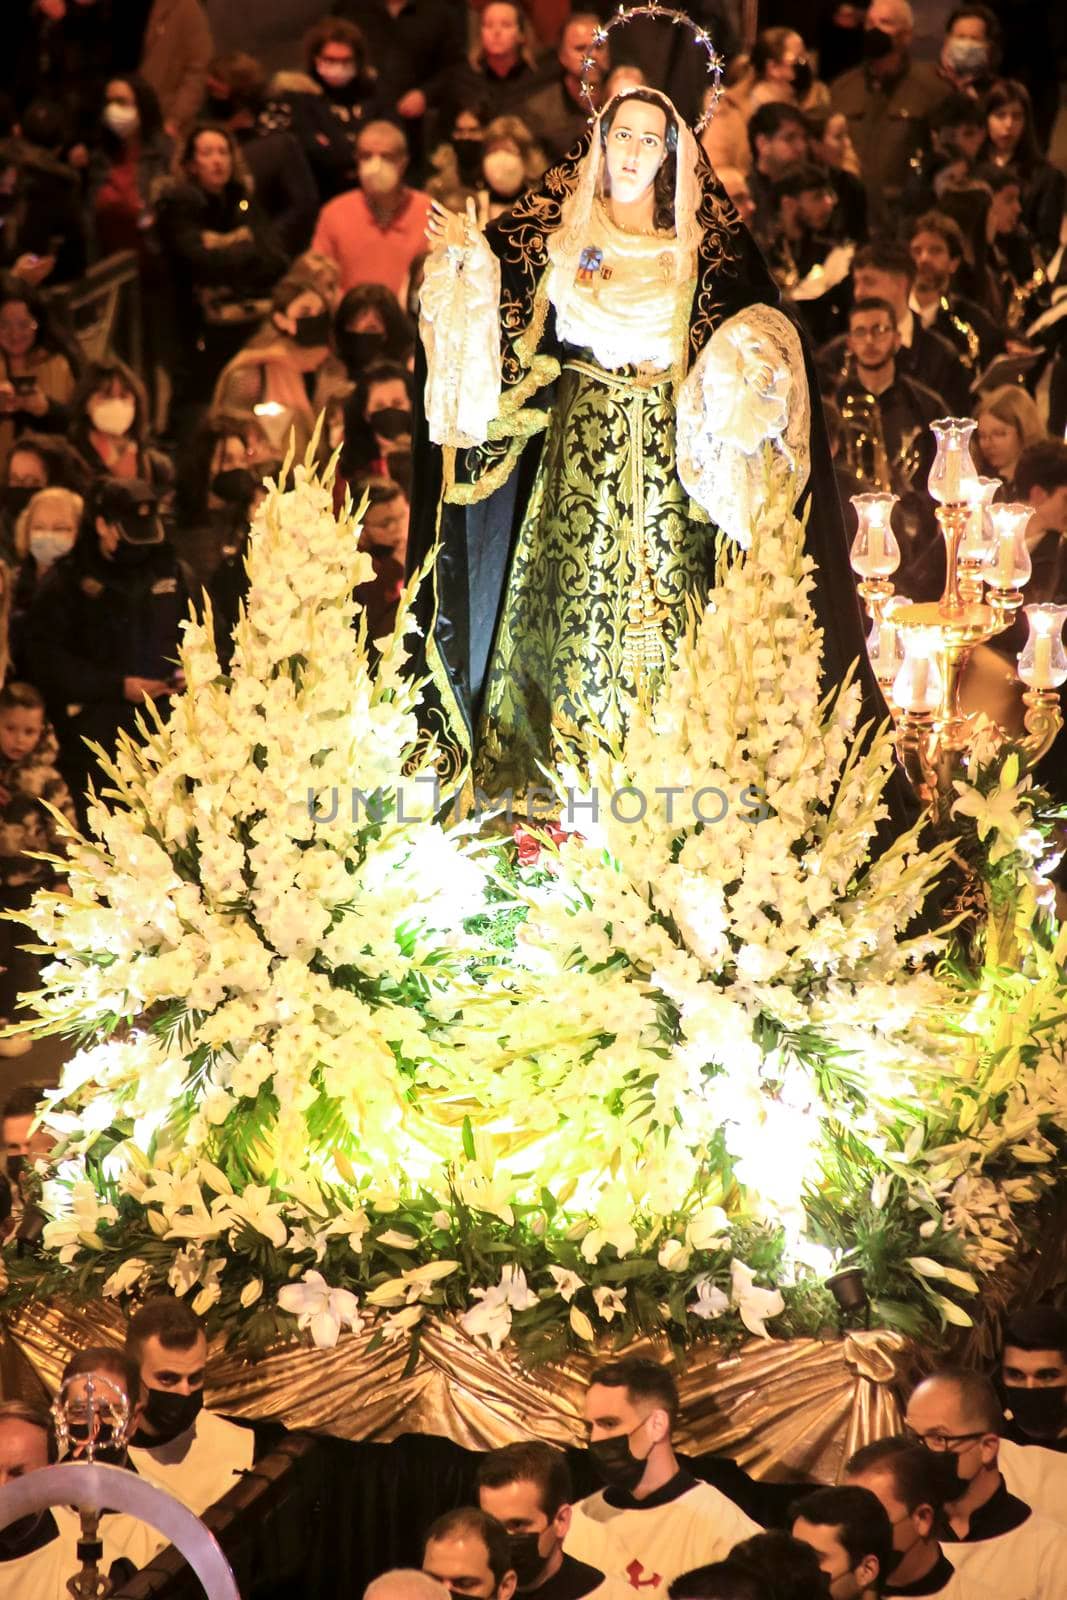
609, 552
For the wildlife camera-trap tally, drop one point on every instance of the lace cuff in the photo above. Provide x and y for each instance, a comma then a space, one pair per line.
746, 388
459, 317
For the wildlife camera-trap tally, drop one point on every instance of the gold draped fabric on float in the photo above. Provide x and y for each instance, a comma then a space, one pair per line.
781, 1410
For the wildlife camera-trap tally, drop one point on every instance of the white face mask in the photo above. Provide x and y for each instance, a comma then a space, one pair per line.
379, 175
114, 416
48, 544
335, 73
120, 118
504, 171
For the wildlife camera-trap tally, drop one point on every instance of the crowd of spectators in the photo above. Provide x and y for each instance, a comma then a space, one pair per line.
276, 223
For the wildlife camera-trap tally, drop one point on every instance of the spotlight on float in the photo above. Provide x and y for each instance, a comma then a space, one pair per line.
850, 1292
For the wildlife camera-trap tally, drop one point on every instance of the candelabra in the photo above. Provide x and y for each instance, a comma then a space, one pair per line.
918, 650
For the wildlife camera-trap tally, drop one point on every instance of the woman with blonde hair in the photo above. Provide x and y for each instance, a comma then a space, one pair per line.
1008, 421
499, 72
44, 533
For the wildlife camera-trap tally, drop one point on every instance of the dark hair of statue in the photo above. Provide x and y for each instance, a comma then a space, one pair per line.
663, 185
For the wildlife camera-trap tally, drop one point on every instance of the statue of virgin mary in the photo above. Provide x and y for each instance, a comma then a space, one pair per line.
608, 378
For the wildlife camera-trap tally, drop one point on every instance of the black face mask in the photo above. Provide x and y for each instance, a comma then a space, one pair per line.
312, 330
877, 44
236, 485
525, 1558
358, 350
616, 1463
169, 1414
217, 108
1039, 1412
950, 1481
16, 499
391, 422
468, 151
803, 78
16, 1166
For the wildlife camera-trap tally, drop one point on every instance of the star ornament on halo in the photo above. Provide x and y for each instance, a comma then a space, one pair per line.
715, 65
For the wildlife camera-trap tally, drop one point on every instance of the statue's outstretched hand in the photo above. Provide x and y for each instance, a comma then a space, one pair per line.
449, 230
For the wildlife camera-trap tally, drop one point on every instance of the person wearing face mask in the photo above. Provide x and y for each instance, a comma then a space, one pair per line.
179, 1445
652, 1520
470, 1553
288, 363
456, 164
849, 1531
97, 1384
376, 232
511, 161
44, 534
129, 159
370, 326
110, 426
34, 1560
324, 106
888, 102
783, 72
970, 49
1032, 1377
527, 1487
378, 426
103, 630
909, 1486
989, 1534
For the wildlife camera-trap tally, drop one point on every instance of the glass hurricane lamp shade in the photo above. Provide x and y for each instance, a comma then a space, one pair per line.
875, 552
885, 642
1042, 660
1010, 566
919, 686
953, 476
978, 545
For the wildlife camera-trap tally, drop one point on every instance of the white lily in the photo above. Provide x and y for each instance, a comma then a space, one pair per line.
323, 1310
754, 1305
253, 1209
609, 1302
567, 1283
123, 1279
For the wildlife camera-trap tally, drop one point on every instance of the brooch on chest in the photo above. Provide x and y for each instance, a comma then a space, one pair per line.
591, 267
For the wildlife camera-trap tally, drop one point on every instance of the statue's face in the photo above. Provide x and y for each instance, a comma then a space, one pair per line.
635, 149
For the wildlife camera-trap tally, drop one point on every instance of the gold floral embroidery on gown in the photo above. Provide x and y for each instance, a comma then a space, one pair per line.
611, 547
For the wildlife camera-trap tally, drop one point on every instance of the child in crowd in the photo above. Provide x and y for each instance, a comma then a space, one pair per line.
29, 783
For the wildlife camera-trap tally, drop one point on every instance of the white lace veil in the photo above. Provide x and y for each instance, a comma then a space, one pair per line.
566, 243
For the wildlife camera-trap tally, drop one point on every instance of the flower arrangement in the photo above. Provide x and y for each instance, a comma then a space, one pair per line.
340, 1063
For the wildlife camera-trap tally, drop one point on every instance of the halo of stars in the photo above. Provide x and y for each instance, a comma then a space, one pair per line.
715, 64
